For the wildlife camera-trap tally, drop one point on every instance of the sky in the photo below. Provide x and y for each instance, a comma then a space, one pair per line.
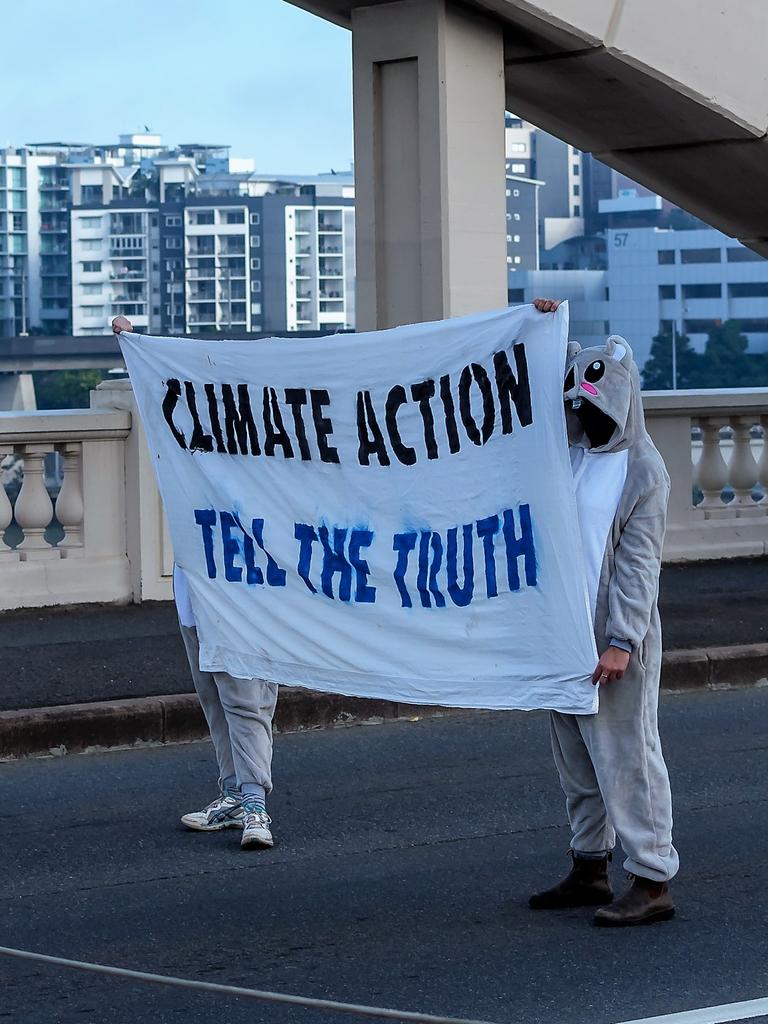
271, 80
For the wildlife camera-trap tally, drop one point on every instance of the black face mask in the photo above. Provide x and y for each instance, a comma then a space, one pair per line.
598, 426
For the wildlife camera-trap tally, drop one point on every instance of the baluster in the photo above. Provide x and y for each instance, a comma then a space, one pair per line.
6, 511
762, 462
711, 472
742, 471
34, 508
69, 504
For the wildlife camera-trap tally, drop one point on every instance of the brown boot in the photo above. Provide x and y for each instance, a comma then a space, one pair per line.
644, 902
587, 885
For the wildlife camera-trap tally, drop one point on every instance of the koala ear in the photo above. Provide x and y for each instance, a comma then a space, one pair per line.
573, 350
617, 348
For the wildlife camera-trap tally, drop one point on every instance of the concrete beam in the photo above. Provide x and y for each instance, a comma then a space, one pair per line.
17, 392
429, 162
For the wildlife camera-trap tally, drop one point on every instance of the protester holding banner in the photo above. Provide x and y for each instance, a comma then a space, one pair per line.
610, 764
239, 714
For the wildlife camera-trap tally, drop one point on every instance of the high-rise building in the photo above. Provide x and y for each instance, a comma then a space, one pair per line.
179, 239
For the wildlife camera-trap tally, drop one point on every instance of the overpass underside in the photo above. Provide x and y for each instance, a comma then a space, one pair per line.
673, 94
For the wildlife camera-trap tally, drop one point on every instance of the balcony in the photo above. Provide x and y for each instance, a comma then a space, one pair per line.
117, 253
128, 275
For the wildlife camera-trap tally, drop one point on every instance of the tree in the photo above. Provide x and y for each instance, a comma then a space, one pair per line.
65, 389
657, 372
726, 363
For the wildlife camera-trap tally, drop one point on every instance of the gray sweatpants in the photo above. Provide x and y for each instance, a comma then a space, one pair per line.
239, 714
615, 780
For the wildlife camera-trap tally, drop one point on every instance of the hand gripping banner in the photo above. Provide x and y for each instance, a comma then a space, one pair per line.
388, 514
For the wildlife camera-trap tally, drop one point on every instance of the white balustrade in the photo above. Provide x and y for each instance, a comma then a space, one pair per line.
69, 504
729, 465
34, 508
90, 562
115, 545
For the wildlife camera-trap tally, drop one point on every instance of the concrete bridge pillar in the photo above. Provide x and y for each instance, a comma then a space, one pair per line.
17, 391
429, 162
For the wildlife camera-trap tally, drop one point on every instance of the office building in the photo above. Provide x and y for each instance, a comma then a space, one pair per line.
656, 278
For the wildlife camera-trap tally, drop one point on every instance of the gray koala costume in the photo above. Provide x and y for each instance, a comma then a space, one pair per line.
610, 764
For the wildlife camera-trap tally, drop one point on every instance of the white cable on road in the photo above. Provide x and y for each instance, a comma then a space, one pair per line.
234, 990
711, 1014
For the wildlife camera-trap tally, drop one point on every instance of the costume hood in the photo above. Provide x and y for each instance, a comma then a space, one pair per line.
607, 378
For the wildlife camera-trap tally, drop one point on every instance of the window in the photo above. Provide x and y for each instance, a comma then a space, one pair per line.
18, 222
577, 190
517, 259
173, 221
256, 308
665, 256
91, 194
509, 238
700, 256
576, 170
93, 311
742, 255
756, 326
516, 216
752, 290
91, 266
516, 238
515, 295
89, 223
518, 168
702, 291
255, 241
202, 217
255, 263
90, 244
91, 289
516, 147
577, 210
255, 218
509, 216
515, 192
508, 193
255, 286
173, 243
699, 326
171, 265
234, 217
667, 291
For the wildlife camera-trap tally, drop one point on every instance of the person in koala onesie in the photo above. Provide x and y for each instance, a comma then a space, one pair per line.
610, 764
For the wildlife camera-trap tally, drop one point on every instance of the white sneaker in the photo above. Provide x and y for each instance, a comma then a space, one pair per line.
256, 824
225, 812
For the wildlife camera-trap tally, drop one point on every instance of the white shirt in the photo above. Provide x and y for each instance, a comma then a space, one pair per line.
598, 479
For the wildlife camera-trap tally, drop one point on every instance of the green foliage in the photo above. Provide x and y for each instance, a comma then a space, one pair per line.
65, 389
657, 372
725, 362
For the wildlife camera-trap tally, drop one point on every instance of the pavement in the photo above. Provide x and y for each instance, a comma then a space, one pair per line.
405, 855
76, 655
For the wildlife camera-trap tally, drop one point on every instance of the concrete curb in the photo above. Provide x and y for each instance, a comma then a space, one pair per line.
73, 728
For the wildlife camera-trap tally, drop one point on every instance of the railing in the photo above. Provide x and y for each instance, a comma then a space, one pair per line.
714, 445
97, 532
100, 535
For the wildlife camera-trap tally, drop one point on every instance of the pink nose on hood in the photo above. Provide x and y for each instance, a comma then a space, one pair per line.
586, 386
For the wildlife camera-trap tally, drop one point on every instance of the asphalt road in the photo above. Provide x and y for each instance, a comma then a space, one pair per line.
406, 853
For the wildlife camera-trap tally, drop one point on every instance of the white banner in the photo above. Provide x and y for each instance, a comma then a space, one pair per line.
387, 514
